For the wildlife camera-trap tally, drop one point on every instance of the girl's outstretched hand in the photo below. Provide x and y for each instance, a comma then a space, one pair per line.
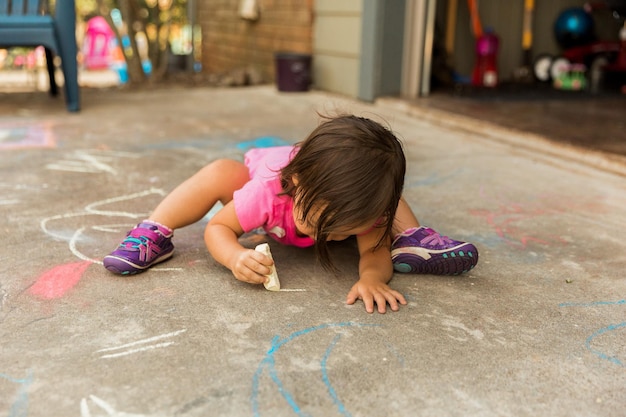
377, 293
251, 266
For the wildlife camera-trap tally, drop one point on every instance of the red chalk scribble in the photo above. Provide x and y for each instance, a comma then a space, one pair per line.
26, 135
57, 281
509, 219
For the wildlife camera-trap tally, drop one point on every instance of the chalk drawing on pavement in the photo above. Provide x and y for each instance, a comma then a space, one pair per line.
57, 281
22, 135
594, 304
600, 336
19, 407
268, 368
611, 329
434, 178
90, 162
96, 209
85, 410
7, 191
509, 218
262, 142
140, 345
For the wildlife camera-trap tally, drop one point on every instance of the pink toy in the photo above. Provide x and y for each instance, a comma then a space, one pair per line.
97, 45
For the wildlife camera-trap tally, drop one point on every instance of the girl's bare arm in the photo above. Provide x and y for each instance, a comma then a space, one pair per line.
375, 271
221, 238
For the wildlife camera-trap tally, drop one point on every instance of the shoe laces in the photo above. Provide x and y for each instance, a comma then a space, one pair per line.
138, 238
436, 239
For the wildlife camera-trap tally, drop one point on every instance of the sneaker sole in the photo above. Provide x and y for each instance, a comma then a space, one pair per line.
122, 266
449, 262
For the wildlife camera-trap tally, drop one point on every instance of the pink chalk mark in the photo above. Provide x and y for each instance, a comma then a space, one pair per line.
55, 282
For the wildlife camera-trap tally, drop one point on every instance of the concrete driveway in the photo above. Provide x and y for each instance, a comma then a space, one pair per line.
538, 328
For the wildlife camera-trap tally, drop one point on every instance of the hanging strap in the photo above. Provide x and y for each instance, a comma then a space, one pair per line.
476, 25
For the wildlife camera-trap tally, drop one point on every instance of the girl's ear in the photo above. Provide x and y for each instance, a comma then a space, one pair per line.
294, 180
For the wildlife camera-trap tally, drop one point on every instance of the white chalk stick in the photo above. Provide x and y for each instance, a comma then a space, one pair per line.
273, 284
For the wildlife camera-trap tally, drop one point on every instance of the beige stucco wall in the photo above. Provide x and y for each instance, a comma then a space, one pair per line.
337, 45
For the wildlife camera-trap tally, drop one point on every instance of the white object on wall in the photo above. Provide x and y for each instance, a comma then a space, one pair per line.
249, 9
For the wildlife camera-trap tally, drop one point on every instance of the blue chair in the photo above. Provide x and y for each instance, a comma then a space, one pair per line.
30, 23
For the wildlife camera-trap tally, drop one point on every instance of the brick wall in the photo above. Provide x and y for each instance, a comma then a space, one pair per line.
229, 42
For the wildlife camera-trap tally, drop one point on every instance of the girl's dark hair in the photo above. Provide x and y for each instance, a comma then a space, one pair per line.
350, 171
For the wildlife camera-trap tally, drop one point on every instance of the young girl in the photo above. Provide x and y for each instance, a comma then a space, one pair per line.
344, 180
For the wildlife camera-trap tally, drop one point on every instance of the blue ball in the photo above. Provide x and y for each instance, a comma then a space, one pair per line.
573, 27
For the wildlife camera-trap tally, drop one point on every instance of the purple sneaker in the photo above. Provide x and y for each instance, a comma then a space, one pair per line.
421, 250
147, 244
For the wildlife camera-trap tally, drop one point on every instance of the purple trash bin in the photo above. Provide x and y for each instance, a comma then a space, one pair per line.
293, 71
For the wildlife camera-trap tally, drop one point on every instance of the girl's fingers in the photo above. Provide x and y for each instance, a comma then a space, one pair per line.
368, 300
381, 302
398, 297
376, 298
393, 303
389, 297
252, 267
